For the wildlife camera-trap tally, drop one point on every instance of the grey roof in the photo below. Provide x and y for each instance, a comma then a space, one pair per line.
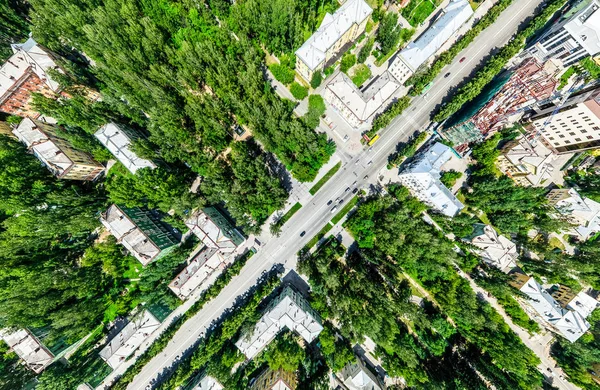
28, 348
117, 140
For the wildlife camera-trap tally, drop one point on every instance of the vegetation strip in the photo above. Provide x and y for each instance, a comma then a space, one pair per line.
161, 342
338, 217
318, 236
325, 178
496, 63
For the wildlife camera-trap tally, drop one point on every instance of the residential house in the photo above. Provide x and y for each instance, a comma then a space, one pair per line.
422, 178
289, 310
128, 339
117, 139
29, 349
275, 380
25, 73
207, 382
496, 250
333, 36
357, 376
584, 213
64, 161
140, 231
418, 52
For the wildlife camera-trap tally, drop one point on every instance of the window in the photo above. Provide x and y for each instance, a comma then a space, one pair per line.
578, 139
589, 137
551, 138
583, 131
567, 141
571, 133
596, 128
561, 136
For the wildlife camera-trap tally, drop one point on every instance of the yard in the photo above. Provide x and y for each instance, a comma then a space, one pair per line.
418, 10
360, 74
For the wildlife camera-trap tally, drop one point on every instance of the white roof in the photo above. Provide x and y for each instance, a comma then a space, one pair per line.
363, 103
290, 310
583, 304
495, 249
585, 28
314, 50
117, 141
208, 383
28, 348
202, 271
129, 339
417, 52
28, 55
358, 377
209, 233
129, 235
584, 211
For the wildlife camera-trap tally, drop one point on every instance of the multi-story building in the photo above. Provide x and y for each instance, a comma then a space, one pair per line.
24, 73
422, 178
117, 140
334, 34
583, 213
357, 376
31, 350
140, 231
206, 382
55, 153
418, 52
288, 311
358, 106
496, 250
275, 380
220, 239
569, 125
574, 37
129, 338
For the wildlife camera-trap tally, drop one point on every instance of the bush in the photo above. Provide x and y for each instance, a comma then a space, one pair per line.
348, 61
390, 113
365, 51
329, 70
316, 80
450, 177
360, 74
298, 91
283, 73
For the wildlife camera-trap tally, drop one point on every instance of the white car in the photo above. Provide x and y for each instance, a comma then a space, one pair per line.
333, 209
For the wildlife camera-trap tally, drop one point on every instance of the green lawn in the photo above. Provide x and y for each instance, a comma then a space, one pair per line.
417, 11
324, 179
319, 235
289, 214
360, 74
338, 217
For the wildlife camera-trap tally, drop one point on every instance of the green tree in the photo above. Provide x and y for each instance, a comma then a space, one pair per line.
388, 34
347, 62
316, 79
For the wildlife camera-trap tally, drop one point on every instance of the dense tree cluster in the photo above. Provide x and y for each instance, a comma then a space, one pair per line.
14, 25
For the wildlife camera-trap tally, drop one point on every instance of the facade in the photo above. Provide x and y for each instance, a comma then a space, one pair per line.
117, 139
28, 348
55, 153
140, 231
335, 32
418, 52
275, 380
570, 126
358, 106
357, 376
124, 343
583, 213
531, 163
422, 178
496, 250
569, 322
574, 37
220, 240
24, 73
289, 310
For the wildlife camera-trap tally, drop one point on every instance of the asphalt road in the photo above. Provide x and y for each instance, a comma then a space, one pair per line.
358, 171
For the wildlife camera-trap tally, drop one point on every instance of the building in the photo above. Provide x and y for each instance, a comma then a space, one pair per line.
418, 52
574, 37
357, 376
55, 153
583, 213
288, 311
422, 178
207, 383
29, 349
128, 339
214, 229
333, 35
6, 130
358, 106
567, 322
531, 163
275, 380
140, 231
572, 125
496, 250
531, 82
117, 140
581, 302
24, 73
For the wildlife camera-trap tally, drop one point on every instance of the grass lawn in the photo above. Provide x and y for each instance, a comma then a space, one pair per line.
325, 178
289, 214
319, 235
360, 74
417, 11
338, 217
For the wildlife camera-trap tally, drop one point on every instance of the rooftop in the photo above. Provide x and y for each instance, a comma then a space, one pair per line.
129, 339
495, 249
356, 376
583, 304
28, 348
585, 28
314, 50
582, 211
214, 229
117, 140
208, 383
203, 270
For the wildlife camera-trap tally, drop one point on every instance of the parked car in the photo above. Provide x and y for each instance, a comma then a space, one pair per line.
333, 209
347, 189
330, 202
302, 234
354, 191
341, 201
463, 59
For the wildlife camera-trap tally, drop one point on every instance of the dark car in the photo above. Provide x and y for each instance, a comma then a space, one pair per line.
463, 59
446, 75
354, 191
341, 201
347, 189
330, 202
302, 234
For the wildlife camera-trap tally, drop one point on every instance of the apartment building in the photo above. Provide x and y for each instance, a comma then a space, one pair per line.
117, 139
583, 213
574, 37
358, 376
64, 161
572, 125
140, 231
207, 382
495, 249
332, 37
24, 73
29, 349
275, 380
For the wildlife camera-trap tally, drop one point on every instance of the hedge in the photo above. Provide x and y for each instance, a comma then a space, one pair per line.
385, 118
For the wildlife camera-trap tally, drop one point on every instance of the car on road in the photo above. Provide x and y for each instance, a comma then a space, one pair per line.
333, 209
330, 202
302, 234
446, 75
347, 189
353, 184
463, 59
341, 201
357, 161
354, 191
370, 162
366, 177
